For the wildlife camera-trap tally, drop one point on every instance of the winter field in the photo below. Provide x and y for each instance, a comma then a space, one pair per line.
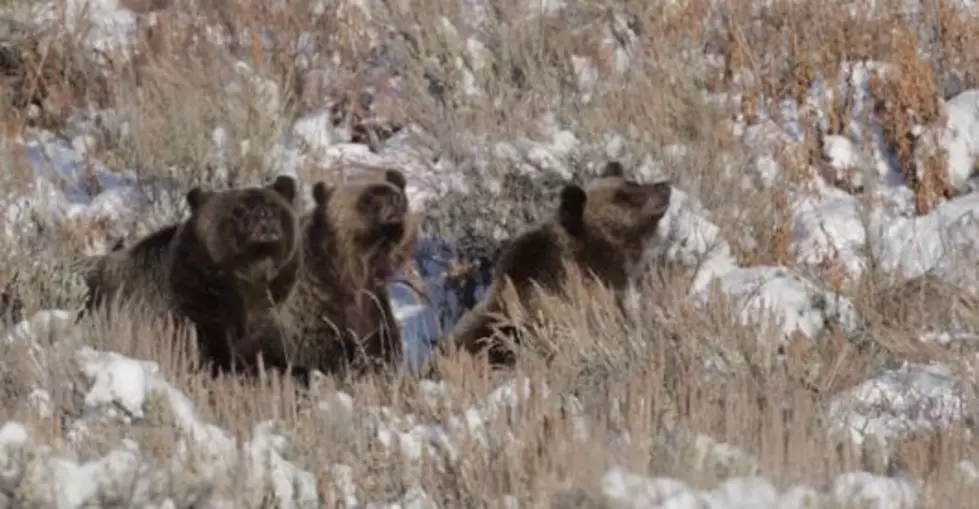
809, 334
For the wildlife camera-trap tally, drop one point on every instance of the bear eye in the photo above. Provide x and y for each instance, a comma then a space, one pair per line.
397, 199
378, 195
630, 195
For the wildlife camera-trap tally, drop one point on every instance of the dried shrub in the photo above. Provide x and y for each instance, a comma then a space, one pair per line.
905, 98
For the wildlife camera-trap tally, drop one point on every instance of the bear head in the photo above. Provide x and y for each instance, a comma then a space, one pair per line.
614, 207
372, 219
250, 231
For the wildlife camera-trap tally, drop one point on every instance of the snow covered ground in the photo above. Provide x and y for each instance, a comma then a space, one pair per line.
875, 230
121, 389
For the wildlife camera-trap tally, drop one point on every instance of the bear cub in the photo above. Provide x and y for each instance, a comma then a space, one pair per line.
601, 230
233, 263
355, 238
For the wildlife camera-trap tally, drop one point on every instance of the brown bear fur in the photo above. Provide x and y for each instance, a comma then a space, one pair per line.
232, 264
353, 241
600, 230
136, 272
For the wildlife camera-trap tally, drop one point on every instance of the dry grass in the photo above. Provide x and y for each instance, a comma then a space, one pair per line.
633, 384
635, 379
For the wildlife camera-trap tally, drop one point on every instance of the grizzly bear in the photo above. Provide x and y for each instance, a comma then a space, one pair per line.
600, 230
233, 262
354, 240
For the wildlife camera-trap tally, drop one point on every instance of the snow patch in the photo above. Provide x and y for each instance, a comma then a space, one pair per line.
625, 489
688, 238
796, 304
897, 402
122, 388
106, 26
959, 138
841, 229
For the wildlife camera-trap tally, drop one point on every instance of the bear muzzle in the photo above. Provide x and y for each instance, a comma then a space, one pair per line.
264, 227
264, 233
658, 198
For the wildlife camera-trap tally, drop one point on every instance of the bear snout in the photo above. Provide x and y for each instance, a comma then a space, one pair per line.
659, 198
262, 226
265, 232
662, 190
392, 217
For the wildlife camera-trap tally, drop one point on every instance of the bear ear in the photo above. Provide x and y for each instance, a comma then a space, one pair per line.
321, 193
571, 211
286, 186
196, 197
396, 178
613, 169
